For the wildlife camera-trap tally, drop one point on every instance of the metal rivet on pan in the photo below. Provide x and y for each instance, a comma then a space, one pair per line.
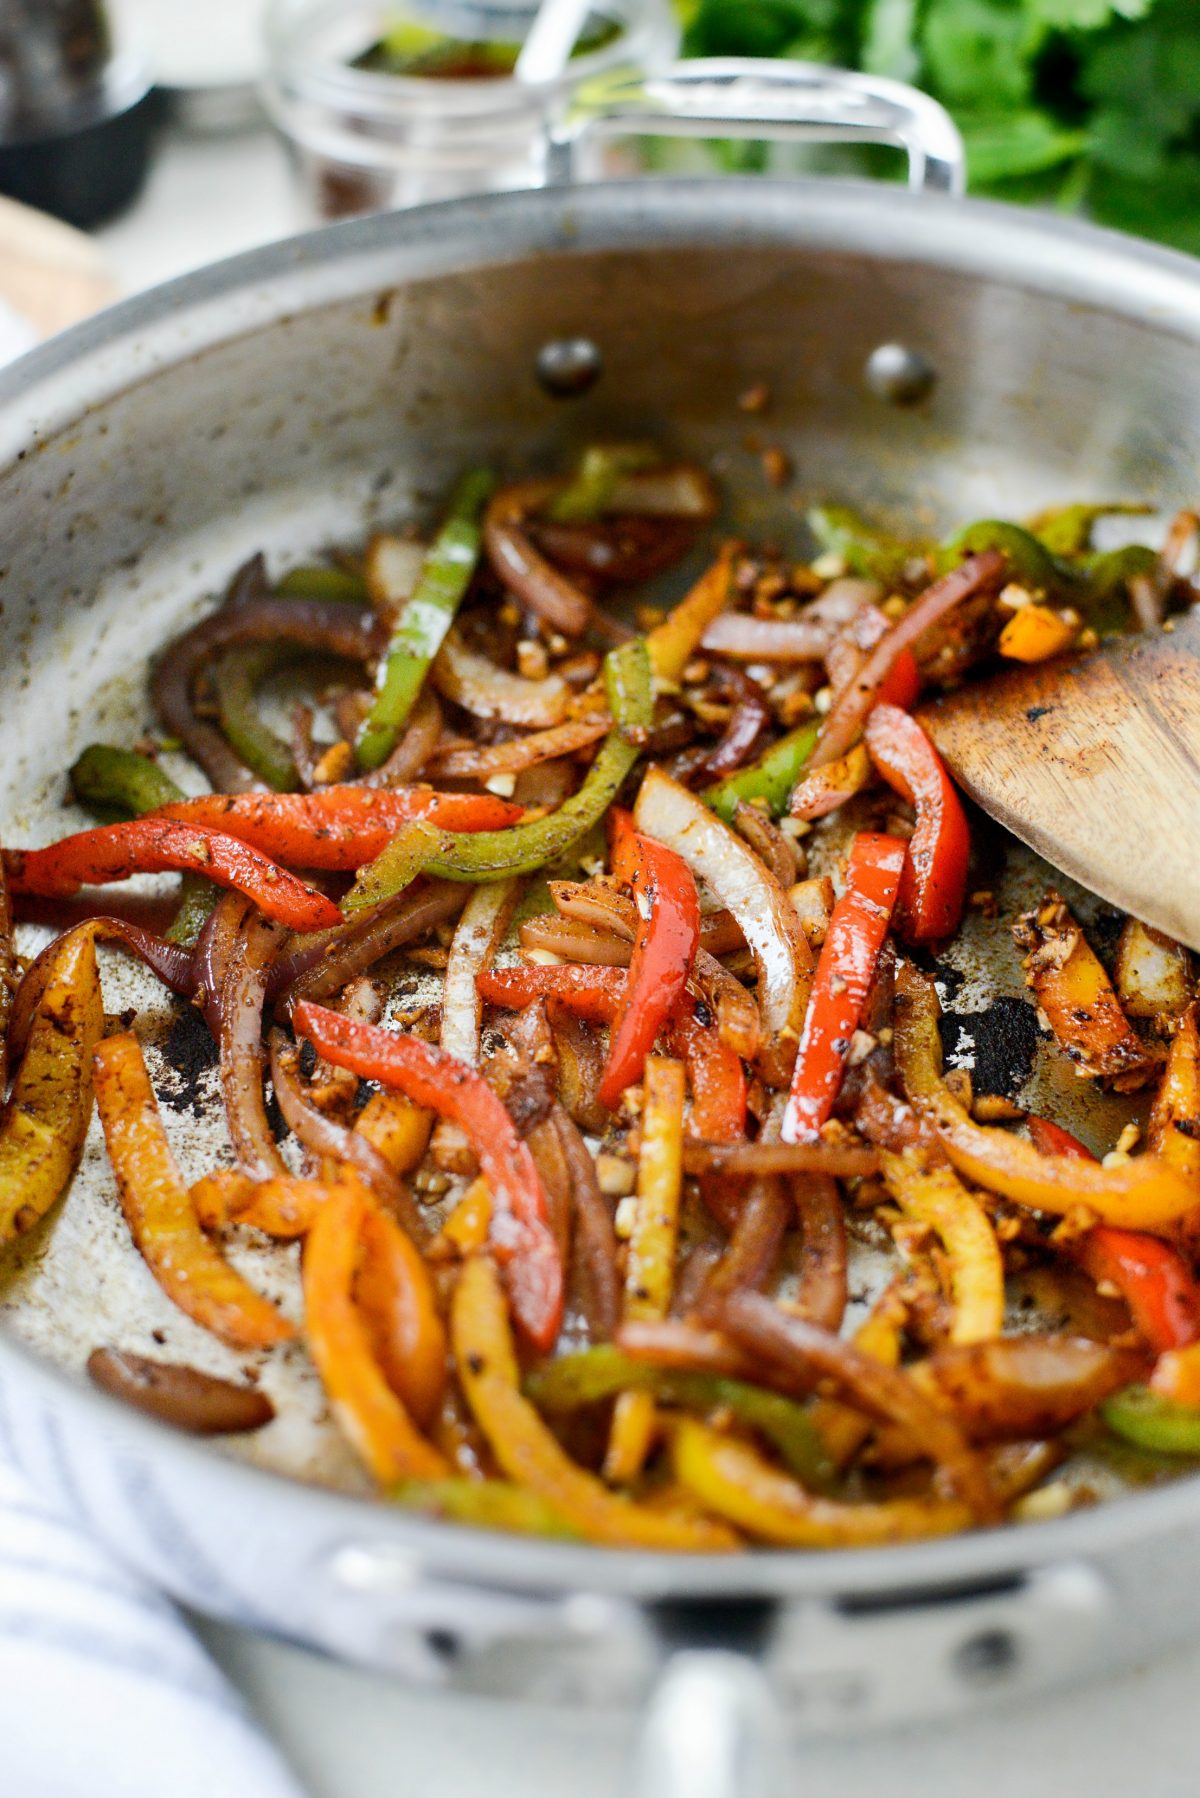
568, 366
987, 1657
896, 373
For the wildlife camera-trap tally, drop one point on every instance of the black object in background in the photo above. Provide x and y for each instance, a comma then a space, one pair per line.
76, 112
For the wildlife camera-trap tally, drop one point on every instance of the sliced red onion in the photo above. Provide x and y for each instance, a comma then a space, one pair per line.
329, 626
242, 994
523, 569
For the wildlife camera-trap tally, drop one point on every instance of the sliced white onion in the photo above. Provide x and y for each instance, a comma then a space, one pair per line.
487, 691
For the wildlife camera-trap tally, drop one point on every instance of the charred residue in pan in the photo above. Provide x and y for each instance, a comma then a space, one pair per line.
996, 1045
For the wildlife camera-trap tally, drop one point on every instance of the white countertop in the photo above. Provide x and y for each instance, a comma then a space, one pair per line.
353, 1736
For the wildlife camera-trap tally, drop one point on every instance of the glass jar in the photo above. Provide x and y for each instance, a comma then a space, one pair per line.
454, 120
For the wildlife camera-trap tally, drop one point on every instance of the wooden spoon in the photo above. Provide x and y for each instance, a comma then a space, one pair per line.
1095, 763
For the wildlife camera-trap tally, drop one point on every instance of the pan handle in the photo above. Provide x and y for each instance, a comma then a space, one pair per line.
712, 1730
750, 97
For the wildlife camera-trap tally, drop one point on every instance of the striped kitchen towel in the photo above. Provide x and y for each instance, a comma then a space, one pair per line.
104, 1691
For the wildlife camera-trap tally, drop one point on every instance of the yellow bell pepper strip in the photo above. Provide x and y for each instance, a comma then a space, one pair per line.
930, 1193
160, 1215
469, 1225
665, 944
526, 1450
1175, 1115
493, 854
673, 643
1153, 1421
595, 1374
120, 783
485, 1505
521, 1232
732, 1479
1075, 993
370, 1414
650, 1268
396, 1127
863, 548
340, 827
773, 777
803, 1353
44, 1123
1144, 1193
426, 617
933, 886
1035, 633
395, 1296
160, 845
856, 934
671, 815
880, 1337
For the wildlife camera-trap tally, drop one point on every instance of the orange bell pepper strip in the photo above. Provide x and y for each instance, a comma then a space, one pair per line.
667, 935
160, 1215
45, 1122
934, 883
284, 1207
339, 1339
729, 1477
157, 845
526, 1450
1145, 1192
396, 1127
1072, 988
1152, 1277
341, 827
856, 934
395, 1295
521, 1233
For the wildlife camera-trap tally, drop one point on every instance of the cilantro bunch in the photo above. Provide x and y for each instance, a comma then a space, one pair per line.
1090, 104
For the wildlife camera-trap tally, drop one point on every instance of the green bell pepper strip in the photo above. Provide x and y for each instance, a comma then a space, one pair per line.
588, 494
485, 1505
601, 1372
120, 782
862, 547
1067, 530
524, 848
236, 676
1029, 562
426, 617
317, 581
1140, 1416
772, 777
397, 866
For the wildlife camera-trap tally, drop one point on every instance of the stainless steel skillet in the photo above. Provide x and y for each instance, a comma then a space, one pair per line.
298, 394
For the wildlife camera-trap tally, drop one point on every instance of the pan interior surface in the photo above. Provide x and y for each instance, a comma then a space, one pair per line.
308, 416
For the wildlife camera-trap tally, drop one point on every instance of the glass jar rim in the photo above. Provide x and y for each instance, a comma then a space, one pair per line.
647, 33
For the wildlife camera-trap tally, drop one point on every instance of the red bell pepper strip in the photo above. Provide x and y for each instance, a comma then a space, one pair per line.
338, 828
668, 932
934, 884
592, 993
857, 929
1154, 1280
521, 1236
157, 845
715, 1072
